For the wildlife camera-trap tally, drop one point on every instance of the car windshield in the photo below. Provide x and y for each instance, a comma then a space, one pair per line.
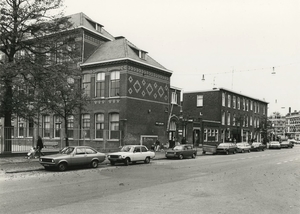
178, 147
125, 149
67, 150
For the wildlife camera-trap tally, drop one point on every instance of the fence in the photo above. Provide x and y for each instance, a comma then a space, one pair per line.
13, 140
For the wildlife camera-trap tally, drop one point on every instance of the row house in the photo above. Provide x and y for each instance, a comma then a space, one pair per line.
221, 115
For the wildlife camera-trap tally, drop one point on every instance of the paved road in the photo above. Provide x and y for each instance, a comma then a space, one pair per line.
256, 182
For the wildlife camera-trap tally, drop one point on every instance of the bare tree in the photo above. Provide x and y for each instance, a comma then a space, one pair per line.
32, 32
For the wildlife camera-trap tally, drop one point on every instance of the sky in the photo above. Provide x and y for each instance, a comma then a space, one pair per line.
235, 44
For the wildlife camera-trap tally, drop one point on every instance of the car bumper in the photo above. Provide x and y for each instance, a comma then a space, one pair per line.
274, 147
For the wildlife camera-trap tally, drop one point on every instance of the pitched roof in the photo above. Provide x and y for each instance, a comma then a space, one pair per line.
82, 20
120, 49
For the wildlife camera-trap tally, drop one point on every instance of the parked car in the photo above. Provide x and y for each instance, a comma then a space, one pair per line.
73, 156
243, 147
131, 153
274, 145
182, 151
286, 144
257, 146
294, 141
227, 148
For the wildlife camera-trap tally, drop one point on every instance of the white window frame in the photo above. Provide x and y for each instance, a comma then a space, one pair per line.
199, 100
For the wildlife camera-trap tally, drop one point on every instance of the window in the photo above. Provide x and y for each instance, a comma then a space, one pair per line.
244, 105
100, 85
223, 118
115, 83
234, 120
229, 101
211, 135
21, 127
199, 100
114, 126
142, 54
228, 118
251, 105
71, 126
46, 126
223, 99
234, 102
238, 103
174, 98
86, 84
80, 151
90, 151
99, 120
247, 105
57, 126
86, 121
31, 126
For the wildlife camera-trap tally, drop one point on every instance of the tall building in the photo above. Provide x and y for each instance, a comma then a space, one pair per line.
221, 115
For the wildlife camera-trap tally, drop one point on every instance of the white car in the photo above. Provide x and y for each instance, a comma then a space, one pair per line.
243, 147
274, 145
131, 153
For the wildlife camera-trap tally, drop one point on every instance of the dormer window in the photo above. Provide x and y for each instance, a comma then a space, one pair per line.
98, 27
142, 54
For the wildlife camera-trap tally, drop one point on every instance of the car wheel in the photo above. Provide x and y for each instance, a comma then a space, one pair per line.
112, 163
180, 157
234, 151
147, 160
126, 161
249, 151
193, 155
203, 152
62, 166
243, 151
94, 164
226, 152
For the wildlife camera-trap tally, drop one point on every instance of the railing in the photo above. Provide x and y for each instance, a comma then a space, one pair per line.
10, 142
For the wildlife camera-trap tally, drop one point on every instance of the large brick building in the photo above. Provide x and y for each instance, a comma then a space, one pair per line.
132, 100
221, 115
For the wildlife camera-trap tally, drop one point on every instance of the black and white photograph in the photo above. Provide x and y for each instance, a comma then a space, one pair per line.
137, 107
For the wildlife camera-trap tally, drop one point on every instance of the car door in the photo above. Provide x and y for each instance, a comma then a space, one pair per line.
79, 156
137, 154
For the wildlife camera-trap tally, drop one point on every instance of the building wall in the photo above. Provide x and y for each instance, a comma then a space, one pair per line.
217, 116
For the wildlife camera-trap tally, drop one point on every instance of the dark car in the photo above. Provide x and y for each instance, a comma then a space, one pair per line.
73, 156
182, 151
227, 148
286, 144
257, 146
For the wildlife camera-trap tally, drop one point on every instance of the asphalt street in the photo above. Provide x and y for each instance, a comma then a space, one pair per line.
256, 182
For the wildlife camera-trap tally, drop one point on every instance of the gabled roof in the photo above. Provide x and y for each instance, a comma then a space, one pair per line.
80, 20
121, 49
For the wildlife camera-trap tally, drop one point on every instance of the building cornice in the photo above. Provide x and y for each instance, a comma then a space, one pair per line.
123, 59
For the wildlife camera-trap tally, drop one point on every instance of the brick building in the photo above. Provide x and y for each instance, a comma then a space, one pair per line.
221, 115
132, 100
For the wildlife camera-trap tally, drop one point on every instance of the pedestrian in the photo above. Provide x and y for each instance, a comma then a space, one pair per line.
157, 145
39, 146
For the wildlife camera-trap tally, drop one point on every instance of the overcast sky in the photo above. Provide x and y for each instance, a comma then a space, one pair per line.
236, 44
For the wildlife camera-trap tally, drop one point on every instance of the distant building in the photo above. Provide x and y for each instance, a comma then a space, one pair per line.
221, 115
293, 125
277, 127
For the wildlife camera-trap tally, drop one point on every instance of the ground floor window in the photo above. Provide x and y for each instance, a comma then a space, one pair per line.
211, 135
